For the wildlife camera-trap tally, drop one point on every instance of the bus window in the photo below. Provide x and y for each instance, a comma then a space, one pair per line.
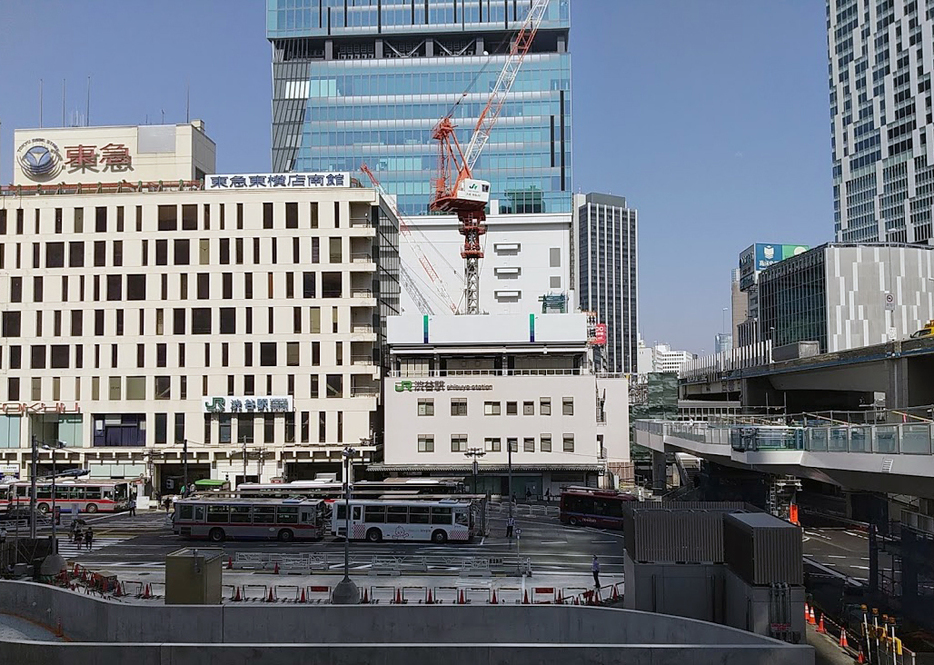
376, 514
357, 513
218, 514
461, 517
240, 514
287, 515
441, 515
186, 513
418, 514
45, 492
93, 492
264, 514
397, 514
308, 516
199, 513
121, 491
342, 512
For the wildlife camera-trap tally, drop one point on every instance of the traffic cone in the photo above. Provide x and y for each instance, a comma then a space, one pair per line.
493, 600
302, 599
398, 600
270, 598
461, 600
559, 599
76, 571
615, 592
806, 620
429, 600
820, 625
237, 598
229, 562
275, 571
525, 598
861, 658
843, 644
147, 593
811, 619
118, 591
366, 598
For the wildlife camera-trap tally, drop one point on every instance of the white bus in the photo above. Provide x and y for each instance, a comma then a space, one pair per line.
370, 489
374, 520
90, 496
218, 519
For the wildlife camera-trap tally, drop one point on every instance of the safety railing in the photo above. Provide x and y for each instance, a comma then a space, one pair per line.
417, 373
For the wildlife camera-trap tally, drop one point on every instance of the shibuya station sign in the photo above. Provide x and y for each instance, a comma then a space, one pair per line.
277, 181
438, 386
248, 404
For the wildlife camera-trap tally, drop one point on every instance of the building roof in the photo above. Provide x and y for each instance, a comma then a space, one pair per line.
485, 468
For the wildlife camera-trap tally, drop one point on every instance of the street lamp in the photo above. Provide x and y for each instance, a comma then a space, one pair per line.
53, 449
475, 453
346, 592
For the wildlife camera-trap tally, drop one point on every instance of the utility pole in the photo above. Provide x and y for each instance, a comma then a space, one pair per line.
346, 592
185, 466
243, 445
509, 465
53, 450
33, 471
474, 454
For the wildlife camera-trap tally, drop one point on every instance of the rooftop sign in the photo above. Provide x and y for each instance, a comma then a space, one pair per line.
277, 180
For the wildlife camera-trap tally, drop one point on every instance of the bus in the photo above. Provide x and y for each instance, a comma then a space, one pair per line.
372, 489
218, 519
593, 507
375, 520
91, 496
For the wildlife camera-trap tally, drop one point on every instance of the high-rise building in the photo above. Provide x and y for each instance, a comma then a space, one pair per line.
723, 343
739, 303
882, 124
606, 266
661, 358
366, 81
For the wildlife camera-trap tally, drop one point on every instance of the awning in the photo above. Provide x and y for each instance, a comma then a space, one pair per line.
208, 482
484, 469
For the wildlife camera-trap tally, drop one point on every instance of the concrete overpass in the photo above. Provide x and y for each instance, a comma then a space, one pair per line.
903, 370
895, 458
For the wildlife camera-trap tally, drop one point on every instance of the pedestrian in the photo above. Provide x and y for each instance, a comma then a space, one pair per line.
2, 535
79, 537
133, 506
167, 503
528, 494
595, 567
510, 525
547, 494
89, 538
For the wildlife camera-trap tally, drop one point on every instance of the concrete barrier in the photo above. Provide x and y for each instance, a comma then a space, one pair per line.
292, 634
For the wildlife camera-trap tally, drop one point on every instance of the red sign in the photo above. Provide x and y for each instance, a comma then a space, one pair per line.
599, 334
112, 157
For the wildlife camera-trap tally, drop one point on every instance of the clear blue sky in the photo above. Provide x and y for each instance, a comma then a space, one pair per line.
710, 116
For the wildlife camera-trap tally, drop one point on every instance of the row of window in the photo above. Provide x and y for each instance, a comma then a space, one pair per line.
426, 443
73, 254
168, 217
426, 407
134, 388
195, 321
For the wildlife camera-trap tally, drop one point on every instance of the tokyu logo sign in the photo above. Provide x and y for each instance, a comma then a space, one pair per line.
438, 386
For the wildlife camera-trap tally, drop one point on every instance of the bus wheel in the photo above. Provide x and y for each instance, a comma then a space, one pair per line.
374, 535
216, 535
439, 537
43, 508
90, 508
286, 536
573, 521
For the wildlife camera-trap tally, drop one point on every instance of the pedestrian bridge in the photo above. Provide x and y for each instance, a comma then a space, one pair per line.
889, 457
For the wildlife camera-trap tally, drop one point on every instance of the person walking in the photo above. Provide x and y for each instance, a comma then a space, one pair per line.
133, 506
528, 495
167, 503
510, 525
2, 535
89, 538
595, 568
547, 494
79, 537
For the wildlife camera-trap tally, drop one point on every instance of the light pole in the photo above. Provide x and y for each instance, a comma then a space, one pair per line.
53, 449
475, 453
32, 487
346, 592
509, 466
243, 444
723, 321
185, 466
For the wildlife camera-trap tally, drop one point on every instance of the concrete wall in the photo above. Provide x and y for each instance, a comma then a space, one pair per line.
751, 608
687, 590
388, 634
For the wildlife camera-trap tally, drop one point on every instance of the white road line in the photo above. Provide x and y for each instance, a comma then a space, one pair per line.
555, 542
830, 564
860, 567
835, 556
602, 541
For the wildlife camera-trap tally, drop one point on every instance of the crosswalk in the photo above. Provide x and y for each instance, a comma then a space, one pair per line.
69, 549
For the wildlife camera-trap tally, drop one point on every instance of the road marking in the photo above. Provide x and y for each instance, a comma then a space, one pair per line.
860, 567
855, 535
836, 556
830, 564
556, 542
603, 541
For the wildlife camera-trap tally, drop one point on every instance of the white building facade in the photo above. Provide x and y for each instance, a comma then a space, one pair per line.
486, 384
240, 327
661, 358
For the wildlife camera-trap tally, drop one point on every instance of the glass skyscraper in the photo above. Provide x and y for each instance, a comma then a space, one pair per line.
881, 119
364, 81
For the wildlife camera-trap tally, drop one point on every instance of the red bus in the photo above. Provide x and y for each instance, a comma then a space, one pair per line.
90, 496
593, 507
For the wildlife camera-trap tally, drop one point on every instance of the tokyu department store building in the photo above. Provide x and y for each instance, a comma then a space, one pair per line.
156, 313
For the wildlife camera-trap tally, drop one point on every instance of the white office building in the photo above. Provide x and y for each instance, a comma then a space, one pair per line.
661, 358
236, 324
488, 384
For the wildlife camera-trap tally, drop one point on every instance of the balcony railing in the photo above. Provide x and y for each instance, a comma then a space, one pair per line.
361, 257
361, 328
364, 392
362, 360
361, 293
408, 373
359, 222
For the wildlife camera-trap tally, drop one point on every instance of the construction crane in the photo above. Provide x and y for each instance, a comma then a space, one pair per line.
455, 189
405, 275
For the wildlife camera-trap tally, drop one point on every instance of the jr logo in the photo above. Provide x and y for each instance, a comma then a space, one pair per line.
218, 405
403, 386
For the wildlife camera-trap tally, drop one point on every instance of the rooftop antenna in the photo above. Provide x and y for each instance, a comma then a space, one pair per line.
163, 116
40, 103
63, 102
87, 113
187, 102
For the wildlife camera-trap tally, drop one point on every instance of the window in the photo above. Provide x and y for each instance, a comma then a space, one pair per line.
136, 287
267, 215
426, 407
567, 406
493, 445
100, 253
16, 356
161, 355
162, 252
335, 255
16, 289
136, 388
225, 251
100, 219
491, 409
178, 321
544, 406
458, 443
554, 282
204, 286
227, 286
528, 444
179, 427
554, 257
55, 255
315, 250
512, 408
331, 285
12, 386
308, 284
459, 406
267, 354
291, 215
545, 443
201, 321
245, 429
37, 356
163, 387
168, 218
76, 254
181, 252
114, 287
568, 446
269, 428
335, 385
223, 428
37, 289
314, 215
228, 321
291, 354
77, 321
118, 253
190, 217
426, 443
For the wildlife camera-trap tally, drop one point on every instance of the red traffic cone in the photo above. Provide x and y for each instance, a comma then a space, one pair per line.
461, 599
229, 562
820, 625
76, 571
495, 600
147, 593
806, 610
118, 591
861, 658
366, 598
428, 599
525, 597
615, 592
398, 600
559, 599
275, 571
236, 597
270, 598
302, 599
843, 644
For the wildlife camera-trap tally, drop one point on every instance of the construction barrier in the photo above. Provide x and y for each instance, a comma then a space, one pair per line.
319, 593
382, 594
255, 592
543, 594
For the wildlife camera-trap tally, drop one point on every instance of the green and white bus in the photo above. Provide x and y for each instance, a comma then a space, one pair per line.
219, 519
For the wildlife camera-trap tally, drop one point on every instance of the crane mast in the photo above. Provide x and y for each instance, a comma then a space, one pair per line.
455, 189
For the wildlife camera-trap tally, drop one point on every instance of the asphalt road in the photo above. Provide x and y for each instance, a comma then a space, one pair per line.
844, 551
143, 541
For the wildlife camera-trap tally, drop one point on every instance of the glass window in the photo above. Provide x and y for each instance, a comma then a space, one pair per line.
458, 443
426, 443
218, 514
459, 407
264, 514
238, 513
376, 514
426, 407
528, 408
545, 443
512, 408
418, 514
397, 514
493, 445
567, 406
491, 408
568, 443
287, 514
441, 515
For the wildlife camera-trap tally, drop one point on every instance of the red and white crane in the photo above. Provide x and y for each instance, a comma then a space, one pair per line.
455, 189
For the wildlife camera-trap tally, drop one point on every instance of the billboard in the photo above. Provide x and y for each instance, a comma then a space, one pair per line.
760, 256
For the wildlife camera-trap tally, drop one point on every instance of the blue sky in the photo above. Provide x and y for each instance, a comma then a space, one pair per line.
710, 116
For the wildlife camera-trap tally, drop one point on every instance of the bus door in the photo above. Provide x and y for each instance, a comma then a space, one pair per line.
340, 521
310, 516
